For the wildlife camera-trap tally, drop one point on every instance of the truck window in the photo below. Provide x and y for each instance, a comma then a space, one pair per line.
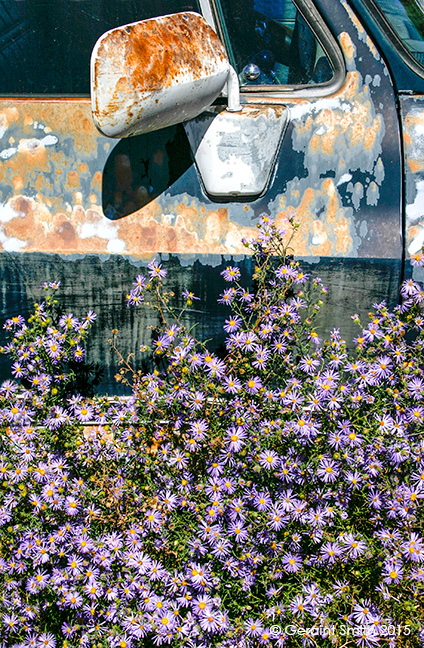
272, 39
45, 45
407, 20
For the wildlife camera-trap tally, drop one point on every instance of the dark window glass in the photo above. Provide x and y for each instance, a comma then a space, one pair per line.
407, 19
271, 39
45, 45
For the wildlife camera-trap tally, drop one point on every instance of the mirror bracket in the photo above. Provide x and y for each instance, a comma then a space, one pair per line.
233, 88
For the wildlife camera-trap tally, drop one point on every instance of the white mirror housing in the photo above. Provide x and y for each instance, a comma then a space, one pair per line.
158, 72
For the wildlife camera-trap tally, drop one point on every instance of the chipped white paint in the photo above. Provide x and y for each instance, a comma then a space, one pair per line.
7, 213
101, 228
362, 34
373, 194
415, 210
28, 145
417, 242
11, 244
7, 153
346, 177
49, 140
116, 246
300, 110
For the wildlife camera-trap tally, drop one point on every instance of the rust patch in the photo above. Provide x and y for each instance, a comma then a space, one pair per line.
347, 45
7, 116
329, 235
361, 30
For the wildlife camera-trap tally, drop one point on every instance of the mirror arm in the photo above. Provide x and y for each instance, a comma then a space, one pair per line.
233, 90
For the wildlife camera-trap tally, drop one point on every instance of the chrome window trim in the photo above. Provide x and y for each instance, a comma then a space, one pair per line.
207, 13
326, 40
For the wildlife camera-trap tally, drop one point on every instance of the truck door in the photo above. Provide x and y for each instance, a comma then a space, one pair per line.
319, 115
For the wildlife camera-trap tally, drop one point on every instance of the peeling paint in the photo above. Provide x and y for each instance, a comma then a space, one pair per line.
413, 137
362, 34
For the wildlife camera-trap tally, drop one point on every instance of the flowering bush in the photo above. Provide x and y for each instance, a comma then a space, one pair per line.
271, 497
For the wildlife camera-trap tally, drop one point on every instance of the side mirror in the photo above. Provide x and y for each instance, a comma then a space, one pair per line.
158, 72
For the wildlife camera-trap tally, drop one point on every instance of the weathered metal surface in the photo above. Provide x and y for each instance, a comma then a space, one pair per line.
336, 170
155, 73
235, 153
413, 138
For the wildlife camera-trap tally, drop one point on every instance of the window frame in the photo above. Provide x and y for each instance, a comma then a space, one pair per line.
397, 43
326, 40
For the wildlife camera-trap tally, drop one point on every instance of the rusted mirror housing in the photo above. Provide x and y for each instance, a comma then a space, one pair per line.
158, 72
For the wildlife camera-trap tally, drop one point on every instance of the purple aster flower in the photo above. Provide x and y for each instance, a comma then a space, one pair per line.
292, 562
298, 605
253, 627
18, 370
209, 621
216, 368
178, 459
248, 341
362, 612
227, 297
280, 346
331, 551
135, 298
231, 273
261, 359
189, 296
73, 599
269, 459
413, 548
156, 271
415, 414
84, 412
46, 640
236, 437
276, 518
10, 622
262, 501
68, 321
308, 364
237, 530
393, 572
72, 505
153, 518
352, 546
327, 470
8, 389
233, 385
253, 385
140, 281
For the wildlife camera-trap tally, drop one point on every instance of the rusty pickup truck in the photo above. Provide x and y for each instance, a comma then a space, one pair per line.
204, 115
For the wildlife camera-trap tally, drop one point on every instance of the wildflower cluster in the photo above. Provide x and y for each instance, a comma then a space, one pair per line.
230, 499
